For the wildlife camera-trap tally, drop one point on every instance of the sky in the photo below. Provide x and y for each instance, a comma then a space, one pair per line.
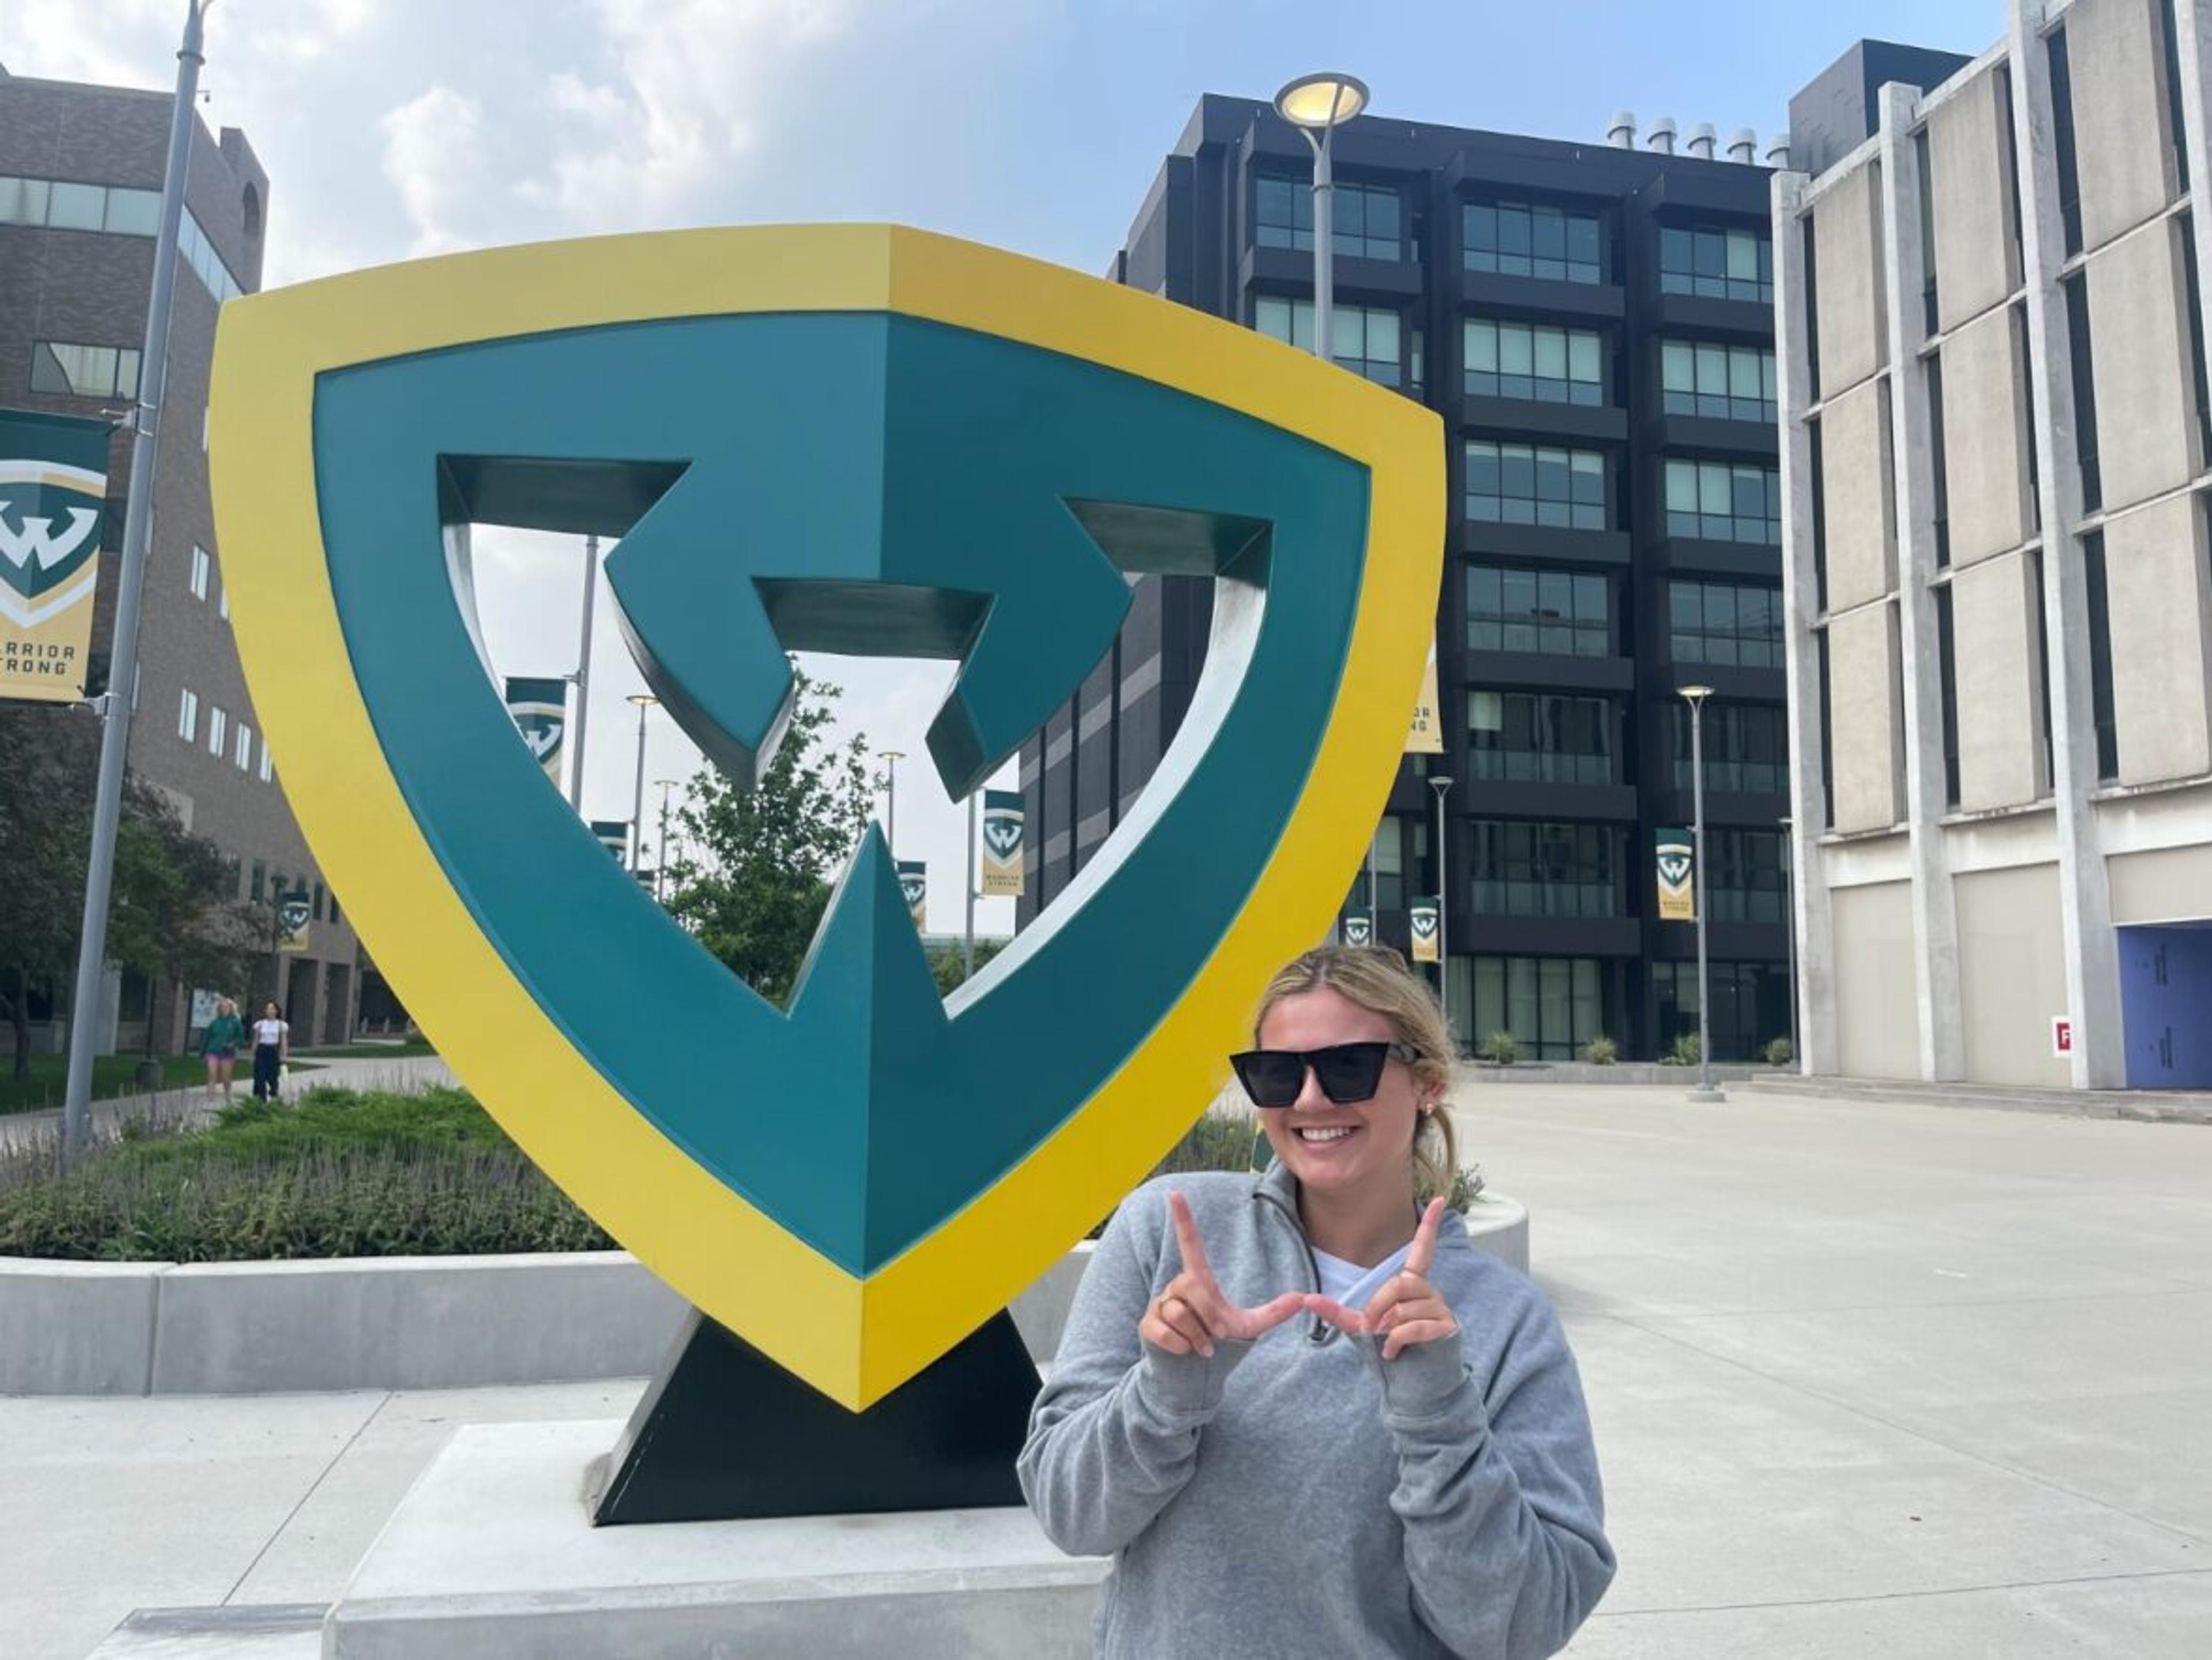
395, 129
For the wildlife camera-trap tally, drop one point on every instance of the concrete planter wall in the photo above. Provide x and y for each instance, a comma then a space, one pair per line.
404, 1322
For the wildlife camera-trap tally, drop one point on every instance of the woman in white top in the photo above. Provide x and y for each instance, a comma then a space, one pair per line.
272, 1042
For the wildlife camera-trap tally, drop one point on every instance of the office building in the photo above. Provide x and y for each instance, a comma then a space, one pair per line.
81, 171
1593, 322
1999, 601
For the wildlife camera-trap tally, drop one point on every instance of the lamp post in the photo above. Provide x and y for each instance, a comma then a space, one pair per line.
1443, 905
1695, 697
583, 676
644, 700
660, 863
892, 758
1317, 105
1790, 925
130, 593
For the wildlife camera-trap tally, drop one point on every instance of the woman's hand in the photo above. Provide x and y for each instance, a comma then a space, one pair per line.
1407, 1310
1192, 1314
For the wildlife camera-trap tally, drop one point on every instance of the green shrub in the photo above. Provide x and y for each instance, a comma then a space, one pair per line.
1684, 1052
1781, 1052
1501, 1047
1601, 1051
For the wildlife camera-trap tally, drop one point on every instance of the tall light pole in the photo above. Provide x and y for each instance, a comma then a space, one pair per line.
1695, 696
1317, 105
1789, 926
583, 676
660, 861
967, 937
1443, 905
892, 758
644, 700
129, 593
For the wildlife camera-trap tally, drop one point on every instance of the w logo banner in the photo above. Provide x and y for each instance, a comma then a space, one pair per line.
862, 441
1002, 843
1425, 917
53, 503
540, 708
1359, 927
914, 887
1677, 862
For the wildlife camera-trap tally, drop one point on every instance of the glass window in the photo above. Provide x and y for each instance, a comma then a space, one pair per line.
1517, 238
68, 370
199, 578
1526, 869
133, 212
1718, 503
1719, 382
1530, 484
1529, 361
77, 207
23, 201
1746, 748
218, 730
1725, 623
188, 716
1560, 613
1365, 340
1717, 262
1751, 1006
267, 769
1368, 220
1553, 1005
1526, 737
242, 751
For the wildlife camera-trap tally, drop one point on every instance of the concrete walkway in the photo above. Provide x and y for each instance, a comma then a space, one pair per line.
1867, 1378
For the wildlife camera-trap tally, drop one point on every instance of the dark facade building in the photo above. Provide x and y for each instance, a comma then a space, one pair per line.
1595, 325
81, 170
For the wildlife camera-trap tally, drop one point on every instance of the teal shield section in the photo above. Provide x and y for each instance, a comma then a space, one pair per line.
857, 483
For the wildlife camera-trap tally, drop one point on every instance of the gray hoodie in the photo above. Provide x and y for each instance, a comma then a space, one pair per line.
1300, 1495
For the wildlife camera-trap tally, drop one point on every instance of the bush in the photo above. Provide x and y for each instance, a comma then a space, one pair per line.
1781, 1052
1501, 1047
340, 1174
1684, 1052
1601, 1051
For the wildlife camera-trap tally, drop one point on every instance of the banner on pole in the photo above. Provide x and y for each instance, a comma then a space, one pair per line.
1425, 736
1359, 927
540, 708
293, 916
1678, 897
913, 885
614, 836
53, 507
1002, 843
1427, 914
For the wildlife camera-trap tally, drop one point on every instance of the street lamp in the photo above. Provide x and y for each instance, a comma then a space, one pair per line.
1695, 697
1317, 105
892, 758
1790, 925
583, 677
644, 700
660, 864
1443, 905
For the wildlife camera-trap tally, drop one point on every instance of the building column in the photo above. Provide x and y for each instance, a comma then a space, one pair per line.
1818, 1048
2085, 906
1935, 912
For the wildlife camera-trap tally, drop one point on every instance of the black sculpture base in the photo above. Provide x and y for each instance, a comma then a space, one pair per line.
726, 1434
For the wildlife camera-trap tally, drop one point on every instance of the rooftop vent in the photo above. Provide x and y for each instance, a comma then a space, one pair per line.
1662, 136
1778, 150
1743, 145
1701, 141
1621, 131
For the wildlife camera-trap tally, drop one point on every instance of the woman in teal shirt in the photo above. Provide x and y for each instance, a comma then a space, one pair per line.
220, 1045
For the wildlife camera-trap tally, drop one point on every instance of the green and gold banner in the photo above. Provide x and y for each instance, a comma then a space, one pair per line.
614, 836
540, 708
1359, 927
913, 886
1002, 843
53, 505
1678, 888
1426, 915
294, 913
1425, 735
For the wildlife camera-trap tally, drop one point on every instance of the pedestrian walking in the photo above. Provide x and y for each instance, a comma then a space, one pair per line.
219, 1046
272, 1044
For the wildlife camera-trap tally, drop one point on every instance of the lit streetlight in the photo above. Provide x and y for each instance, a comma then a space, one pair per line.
644, 700
1695, 697
1318, 105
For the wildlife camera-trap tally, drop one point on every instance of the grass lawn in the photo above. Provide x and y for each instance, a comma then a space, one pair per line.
112, 1075
413, 1048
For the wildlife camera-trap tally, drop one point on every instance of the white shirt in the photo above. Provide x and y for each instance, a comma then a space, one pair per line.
269, 1031
1352, 1285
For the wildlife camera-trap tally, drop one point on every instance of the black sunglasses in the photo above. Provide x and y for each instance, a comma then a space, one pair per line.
1347, 1072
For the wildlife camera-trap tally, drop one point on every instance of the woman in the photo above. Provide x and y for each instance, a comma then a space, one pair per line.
272, 1042
1304, 1414
219, 1046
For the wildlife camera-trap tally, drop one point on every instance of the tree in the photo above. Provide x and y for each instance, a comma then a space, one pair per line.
755, 886
48, 759
948, 964
176, 915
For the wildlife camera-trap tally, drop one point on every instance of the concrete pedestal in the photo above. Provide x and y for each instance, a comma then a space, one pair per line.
491, 1557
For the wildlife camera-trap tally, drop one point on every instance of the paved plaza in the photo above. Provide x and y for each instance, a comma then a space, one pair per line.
1867, 1378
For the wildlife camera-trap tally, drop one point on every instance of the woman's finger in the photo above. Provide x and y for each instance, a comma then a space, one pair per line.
1423, 1251
1404, 1335
1254, 1322
1184, 1320
1187, 1240
1328, 1309
1398, 1288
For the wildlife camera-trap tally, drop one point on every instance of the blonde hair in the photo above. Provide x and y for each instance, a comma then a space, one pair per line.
1377, 979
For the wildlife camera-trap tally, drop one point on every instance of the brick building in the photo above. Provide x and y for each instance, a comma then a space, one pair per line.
81, 170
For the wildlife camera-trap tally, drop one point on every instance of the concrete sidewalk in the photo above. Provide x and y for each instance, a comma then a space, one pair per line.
1867, 1378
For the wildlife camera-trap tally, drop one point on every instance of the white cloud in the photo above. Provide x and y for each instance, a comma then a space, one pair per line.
432, 150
